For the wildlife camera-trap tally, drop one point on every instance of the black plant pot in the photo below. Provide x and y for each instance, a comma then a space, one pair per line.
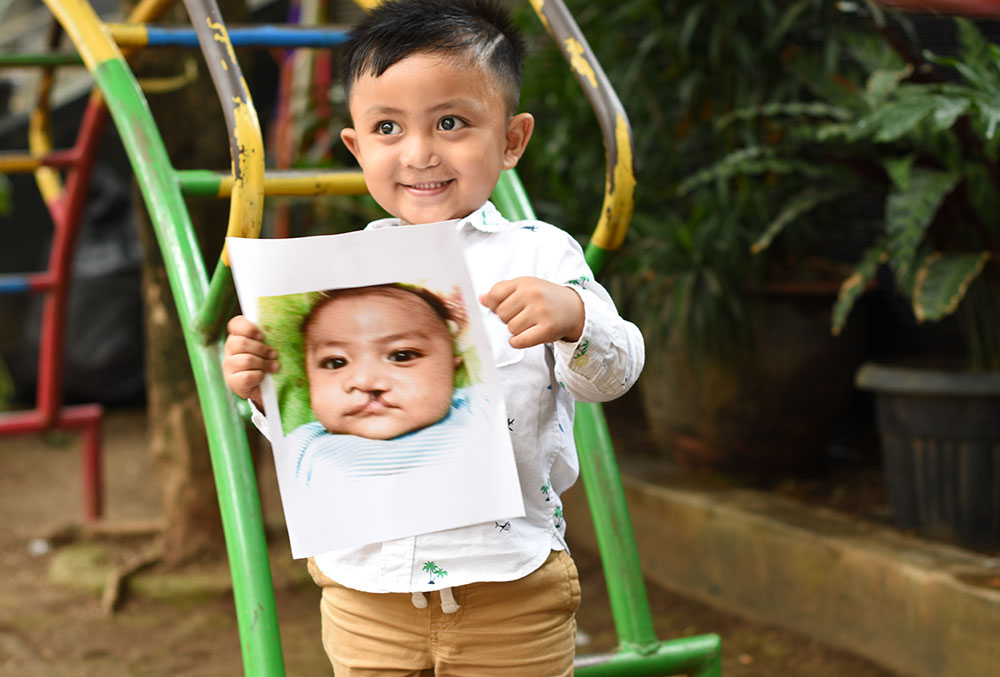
940, 438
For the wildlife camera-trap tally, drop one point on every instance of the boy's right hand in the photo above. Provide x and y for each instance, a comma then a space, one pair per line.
247, 359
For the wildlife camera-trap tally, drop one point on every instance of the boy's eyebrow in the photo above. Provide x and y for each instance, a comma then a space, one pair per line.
389, 111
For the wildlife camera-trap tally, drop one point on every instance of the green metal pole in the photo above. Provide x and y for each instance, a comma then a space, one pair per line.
237, 487
622, 570
698, 656
53, 59
199, 182
511, 198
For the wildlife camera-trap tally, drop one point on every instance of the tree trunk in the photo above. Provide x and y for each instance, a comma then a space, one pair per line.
191, 122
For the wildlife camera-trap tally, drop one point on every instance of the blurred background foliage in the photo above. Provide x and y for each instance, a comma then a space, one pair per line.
772, 140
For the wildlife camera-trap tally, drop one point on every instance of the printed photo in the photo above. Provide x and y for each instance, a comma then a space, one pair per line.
391, 423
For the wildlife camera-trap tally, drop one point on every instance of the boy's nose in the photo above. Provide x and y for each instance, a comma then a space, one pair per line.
419, 153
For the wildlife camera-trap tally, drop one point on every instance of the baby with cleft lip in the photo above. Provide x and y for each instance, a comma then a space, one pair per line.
381, 364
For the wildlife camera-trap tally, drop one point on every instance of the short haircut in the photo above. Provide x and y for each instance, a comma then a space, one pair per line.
396, 29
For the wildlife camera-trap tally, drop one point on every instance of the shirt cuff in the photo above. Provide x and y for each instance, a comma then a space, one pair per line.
593, 357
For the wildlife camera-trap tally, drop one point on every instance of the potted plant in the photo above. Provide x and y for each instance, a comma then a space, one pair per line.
921, 131
734, 338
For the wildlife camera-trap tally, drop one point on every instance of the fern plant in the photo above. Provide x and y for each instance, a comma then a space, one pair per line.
924, 131
701, 80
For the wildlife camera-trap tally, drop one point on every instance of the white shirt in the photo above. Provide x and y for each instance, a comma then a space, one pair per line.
539, 385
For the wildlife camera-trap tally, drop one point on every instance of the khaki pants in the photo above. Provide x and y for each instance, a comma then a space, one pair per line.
522, 628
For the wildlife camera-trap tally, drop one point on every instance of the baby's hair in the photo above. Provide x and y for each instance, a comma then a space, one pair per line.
448, 313
397, 29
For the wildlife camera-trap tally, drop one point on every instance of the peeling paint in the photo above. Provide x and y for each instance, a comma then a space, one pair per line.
619, 192
539, 6
579, 63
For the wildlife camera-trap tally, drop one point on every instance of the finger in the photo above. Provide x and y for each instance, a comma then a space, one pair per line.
244, 383
249, 362
530, 337
520, 323
497, 294
241, 326
237, 344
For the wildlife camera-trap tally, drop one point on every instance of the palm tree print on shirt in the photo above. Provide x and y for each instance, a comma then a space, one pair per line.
434, 572
558, 516
546, 488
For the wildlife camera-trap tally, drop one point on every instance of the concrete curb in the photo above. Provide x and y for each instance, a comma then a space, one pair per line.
915, 607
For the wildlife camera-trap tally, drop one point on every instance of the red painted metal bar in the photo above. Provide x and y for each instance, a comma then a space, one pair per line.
66, 211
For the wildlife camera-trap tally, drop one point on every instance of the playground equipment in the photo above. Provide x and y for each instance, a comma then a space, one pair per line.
204, 303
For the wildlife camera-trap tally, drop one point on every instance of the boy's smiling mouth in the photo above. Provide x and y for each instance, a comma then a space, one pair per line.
428, 186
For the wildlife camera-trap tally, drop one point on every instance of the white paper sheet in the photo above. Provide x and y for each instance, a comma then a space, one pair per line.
341, 502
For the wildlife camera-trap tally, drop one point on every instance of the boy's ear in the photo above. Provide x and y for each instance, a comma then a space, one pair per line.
350, 138
519, 130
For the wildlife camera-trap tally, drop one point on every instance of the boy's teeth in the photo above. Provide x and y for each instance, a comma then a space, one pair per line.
429, 186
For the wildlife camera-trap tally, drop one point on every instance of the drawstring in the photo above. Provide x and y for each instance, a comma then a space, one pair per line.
448, 603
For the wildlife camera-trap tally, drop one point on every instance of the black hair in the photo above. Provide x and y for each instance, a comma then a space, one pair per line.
397, 29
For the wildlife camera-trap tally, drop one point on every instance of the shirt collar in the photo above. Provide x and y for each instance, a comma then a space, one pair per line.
487, 219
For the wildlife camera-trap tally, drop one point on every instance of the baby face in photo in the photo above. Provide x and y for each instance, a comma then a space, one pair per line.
380, 361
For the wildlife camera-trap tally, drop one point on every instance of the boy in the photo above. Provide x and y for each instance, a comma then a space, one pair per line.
381, 363
432, 89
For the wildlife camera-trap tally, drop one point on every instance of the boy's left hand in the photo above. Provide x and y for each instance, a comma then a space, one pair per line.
536, 311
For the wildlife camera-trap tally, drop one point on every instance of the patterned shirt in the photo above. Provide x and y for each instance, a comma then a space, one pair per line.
540, 385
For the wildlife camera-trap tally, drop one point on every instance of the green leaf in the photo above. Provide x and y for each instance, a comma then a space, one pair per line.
882, 83
898, 169
975, 49
786, 22
988, 109
854, 285
791, 109
947, 110
799, 204
941, 283
688, 27
909, 212
894, 119
752, 161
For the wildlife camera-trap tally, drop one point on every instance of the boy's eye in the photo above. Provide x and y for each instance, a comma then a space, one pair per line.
403, 355
332, 363
387, 127
450, 123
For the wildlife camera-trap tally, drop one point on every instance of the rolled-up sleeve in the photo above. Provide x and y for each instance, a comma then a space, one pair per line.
608, 358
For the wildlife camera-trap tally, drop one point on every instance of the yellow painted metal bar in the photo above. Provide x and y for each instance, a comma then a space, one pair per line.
19, 163
91, 38
129, 35
306, 184
619, 192
619, 187
50, 184
246, 140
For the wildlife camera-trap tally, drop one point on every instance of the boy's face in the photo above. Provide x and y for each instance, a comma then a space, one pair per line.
379, 364
431, 135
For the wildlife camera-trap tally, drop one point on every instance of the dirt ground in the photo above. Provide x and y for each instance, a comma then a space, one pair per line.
49, 629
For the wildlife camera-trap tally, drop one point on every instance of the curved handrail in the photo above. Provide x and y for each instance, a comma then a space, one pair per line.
246, 149
242, 519
619, 179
